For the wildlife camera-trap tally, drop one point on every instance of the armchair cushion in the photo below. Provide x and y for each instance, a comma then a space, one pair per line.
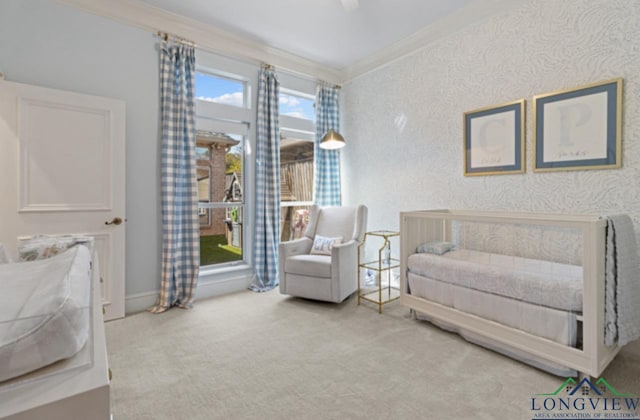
323, 245
332, 222
309, 265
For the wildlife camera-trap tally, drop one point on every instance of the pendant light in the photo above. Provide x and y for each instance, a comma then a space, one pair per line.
332, 140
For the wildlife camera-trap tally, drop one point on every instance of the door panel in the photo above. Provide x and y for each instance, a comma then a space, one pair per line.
48, 184
62, 172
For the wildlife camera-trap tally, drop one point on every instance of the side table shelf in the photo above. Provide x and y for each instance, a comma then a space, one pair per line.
379, 293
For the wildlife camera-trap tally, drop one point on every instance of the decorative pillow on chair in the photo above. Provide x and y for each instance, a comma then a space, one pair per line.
435, 247
42, 247
323, 246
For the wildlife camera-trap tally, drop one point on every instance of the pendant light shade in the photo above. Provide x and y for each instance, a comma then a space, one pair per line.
332, 140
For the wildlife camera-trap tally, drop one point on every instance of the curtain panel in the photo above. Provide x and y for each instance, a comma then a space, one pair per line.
267, 228
180, 224
327, 172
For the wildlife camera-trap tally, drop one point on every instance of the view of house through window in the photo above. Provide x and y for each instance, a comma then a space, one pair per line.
297, 115
220, 193
220, 162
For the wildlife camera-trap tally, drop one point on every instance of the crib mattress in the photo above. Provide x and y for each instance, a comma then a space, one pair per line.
539, 282
44, 311
554, 324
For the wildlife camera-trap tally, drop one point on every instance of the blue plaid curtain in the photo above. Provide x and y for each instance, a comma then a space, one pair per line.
327, 173
267, 232
181, 227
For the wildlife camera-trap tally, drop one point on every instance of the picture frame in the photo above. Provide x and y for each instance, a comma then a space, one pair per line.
579, 128
494, 140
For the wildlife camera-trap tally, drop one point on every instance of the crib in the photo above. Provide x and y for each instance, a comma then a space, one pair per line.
536, 294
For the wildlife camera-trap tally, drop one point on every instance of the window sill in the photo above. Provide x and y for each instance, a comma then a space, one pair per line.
228, 268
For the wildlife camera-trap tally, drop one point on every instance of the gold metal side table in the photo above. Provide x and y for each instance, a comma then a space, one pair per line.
383, 267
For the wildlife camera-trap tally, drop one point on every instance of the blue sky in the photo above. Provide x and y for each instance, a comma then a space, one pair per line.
230, 92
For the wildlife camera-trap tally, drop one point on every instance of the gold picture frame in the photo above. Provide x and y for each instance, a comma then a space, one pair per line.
493, 140
578, 128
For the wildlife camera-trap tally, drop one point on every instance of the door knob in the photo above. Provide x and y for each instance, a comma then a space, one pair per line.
116, 221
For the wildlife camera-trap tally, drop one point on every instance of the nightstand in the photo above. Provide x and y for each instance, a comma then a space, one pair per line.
385, 270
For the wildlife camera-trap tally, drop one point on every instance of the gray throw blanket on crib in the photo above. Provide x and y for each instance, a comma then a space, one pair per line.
622, 283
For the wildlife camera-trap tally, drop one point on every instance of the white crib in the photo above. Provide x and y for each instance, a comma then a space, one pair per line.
590, 358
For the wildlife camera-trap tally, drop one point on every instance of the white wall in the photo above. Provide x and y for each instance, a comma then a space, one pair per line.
403, 122
46, 44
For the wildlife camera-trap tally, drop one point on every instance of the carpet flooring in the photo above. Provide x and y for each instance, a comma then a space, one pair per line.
266, 356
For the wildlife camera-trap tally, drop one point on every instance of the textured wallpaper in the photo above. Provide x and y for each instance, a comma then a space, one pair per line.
403, 122
549, 243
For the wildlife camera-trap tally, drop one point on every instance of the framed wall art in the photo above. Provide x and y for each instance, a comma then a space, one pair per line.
494, 140
579, 128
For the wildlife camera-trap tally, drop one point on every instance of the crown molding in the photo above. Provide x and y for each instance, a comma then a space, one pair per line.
473, 13
208, 37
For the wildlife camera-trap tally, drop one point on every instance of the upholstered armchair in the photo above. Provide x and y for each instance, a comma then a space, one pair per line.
317, 266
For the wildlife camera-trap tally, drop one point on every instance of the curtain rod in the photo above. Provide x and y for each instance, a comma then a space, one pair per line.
268, 66
166, 37
331, 85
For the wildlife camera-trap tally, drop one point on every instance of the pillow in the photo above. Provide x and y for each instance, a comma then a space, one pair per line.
42, 247
323, 246
435, 247
4, 257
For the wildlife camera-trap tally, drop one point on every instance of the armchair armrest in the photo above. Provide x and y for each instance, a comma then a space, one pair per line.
295, 247
288, 249
344, 247
344, 269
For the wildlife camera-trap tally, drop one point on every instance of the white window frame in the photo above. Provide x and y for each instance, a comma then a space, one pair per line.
217, 117
246, 87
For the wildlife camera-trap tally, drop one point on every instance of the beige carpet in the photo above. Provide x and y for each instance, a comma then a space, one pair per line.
265, 356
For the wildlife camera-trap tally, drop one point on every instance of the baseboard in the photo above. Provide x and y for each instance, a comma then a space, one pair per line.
218, 287
139, 302
206, 289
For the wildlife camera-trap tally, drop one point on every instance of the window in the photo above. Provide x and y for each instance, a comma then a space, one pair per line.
223, 116
297, 105
297, 157
220, 89
221, 197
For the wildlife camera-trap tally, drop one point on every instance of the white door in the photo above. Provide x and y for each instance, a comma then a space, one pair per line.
62, 171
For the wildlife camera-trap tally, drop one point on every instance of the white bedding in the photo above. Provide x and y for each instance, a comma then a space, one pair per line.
553, 324
44, 311
539, 282
559, 326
